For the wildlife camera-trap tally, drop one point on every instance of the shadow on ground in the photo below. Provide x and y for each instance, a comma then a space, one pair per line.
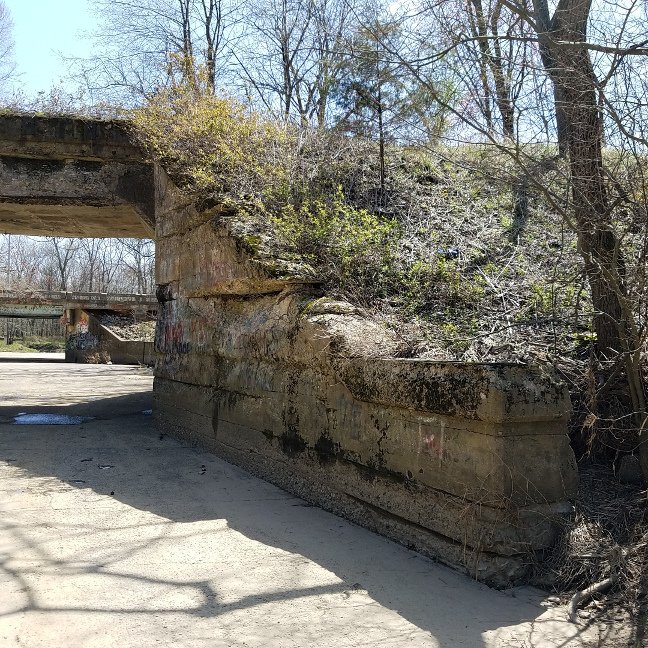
120, 457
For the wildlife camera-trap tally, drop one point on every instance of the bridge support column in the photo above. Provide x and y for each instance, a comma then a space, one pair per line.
68, 315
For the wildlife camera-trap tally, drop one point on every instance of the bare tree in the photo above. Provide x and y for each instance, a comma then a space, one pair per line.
275, 65
110, 263
7, 64
591, 58
90, 252
94, 265
143, 44
294, 56
139, 258
216, 21
332, 22
63, 252
563, 38
21, 262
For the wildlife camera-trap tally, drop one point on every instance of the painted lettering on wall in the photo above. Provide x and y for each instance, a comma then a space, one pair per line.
180, 330
83, 323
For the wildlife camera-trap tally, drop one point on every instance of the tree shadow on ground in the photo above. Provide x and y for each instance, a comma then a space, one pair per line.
120, 458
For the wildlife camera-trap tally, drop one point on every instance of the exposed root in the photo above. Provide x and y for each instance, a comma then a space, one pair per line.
587, 593
617, 559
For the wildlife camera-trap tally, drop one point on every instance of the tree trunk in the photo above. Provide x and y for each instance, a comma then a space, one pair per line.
381, 146
575, 83
574, 78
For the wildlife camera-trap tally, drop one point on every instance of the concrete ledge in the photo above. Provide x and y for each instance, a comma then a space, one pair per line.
494, 393
90, 342
60, 138
493, 547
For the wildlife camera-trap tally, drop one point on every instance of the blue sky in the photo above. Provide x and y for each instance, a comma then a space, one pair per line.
44, 30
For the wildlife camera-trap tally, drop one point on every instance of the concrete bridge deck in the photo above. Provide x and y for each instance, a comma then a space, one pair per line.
73, 177
111, 535
51, 303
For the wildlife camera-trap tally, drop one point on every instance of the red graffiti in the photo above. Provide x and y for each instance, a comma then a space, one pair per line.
198, 331
172, 338
433, 444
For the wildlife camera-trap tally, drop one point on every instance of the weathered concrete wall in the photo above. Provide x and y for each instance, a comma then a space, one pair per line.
468, 463
88, 341
64, 137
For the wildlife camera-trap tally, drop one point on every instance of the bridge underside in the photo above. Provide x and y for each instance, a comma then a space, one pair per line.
31, 312
71, 177
119, 221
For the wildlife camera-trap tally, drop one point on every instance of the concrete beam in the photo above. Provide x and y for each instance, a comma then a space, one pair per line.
59, 138
72, 220
62, 300
30, 311
72, 177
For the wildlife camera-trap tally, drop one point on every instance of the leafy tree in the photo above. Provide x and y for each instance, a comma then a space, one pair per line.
378, 99
370, 92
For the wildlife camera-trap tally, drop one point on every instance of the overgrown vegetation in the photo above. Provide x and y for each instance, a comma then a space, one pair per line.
212, 144
434, 255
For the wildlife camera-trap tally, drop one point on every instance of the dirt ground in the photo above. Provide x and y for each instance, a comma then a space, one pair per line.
113, 535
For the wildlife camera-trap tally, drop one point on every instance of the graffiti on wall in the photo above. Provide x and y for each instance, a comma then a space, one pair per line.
81, 339
180, 330
432, 440
83, 323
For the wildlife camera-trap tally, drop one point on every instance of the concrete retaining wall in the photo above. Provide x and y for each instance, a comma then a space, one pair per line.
88, 341
468, 463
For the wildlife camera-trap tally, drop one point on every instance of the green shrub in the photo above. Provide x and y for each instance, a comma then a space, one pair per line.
353, 249
210, 143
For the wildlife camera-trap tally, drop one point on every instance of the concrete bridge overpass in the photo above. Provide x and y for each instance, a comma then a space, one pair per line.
49, 304
86, 335
61, 176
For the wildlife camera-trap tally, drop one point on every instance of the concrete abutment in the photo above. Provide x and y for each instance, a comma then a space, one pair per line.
468, 463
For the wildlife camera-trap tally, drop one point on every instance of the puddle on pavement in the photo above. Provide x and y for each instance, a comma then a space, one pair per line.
50, 419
